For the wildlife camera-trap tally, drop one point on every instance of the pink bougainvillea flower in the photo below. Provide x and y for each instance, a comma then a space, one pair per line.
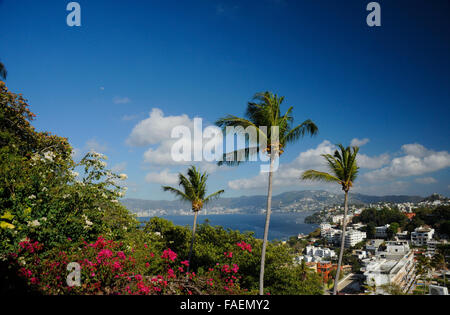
169, 254
121, 255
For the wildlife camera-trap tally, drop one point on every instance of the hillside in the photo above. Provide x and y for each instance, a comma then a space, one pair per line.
294, 201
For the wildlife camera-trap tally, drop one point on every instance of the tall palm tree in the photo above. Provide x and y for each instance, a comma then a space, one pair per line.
263, 114
344, 170
3, 72
438, 262
193, 191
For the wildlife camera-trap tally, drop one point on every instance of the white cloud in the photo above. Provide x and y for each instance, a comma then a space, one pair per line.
359, 142
417, 160
156, 128
164, 178
155, 132
426, 180
289, 174
365, 161
121, 100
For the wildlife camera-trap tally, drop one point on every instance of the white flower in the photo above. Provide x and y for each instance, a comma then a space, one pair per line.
32, 197
44, 219
34, 223
123, 176
103, 164
74, 174
49, 156
44, 189
115, 201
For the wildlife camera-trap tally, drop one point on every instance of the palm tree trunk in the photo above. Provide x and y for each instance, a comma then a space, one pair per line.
341, 252
192, 240
266, 228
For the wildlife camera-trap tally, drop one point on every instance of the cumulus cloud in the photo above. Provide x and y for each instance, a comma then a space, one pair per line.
289, 174
164, 177
426, 180
156, 128
359, 142
416, 160
155, 133
365, 161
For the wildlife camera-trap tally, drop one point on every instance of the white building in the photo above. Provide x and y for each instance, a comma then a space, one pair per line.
361, 254
316, 254
332, 235
421, 236
320, 252
339, 218
381, 231
353, 237
324, 227
373, 245
394, 266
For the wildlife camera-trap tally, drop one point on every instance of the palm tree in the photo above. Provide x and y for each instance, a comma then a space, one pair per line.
264, 114
3, 72
344, 170
438, 262
194, 191
423, 268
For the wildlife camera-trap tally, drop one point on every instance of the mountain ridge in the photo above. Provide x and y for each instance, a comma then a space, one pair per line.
292, 201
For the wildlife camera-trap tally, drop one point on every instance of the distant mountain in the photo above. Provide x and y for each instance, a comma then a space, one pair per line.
294, 201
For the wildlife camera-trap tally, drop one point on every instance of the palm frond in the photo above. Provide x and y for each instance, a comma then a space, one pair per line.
307, 127
178, 193
213, 196
319, 176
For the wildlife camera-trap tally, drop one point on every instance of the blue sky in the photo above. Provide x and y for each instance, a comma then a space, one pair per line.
137, 63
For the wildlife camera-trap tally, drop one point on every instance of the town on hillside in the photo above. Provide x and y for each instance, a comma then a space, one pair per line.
405, 253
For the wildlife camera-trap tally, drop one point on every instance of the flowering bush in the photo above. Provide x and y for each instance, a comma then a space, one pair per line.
108, 267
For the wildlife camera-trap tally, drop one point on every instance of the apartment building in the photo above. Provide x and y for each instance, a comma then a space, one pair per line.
421, 236
393, 266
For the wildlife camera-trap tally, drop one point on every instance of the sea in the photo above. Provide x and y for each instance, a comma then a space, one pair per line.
282, 226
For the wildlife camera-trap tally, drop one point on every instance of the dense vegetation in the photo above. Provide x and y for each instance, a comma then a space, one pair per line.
54, 211
436, 217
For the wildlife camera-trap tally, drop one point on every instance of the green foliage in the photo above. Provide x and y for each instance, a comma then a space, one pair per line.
265, 112
213, 241
194, 189
381, 217
438, 218
343, 168
41, 195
